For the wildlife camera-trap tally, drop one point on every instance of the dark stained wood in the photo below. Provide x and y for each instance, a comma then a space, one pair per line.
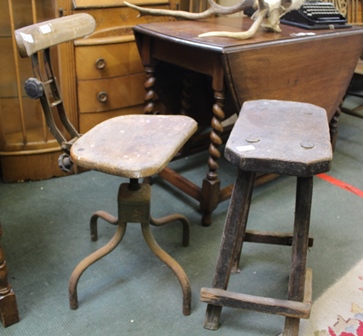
304, 194
266, 237
8, 306
261, 140
220, 297
181, 182
229, 72
231, 241
251, 66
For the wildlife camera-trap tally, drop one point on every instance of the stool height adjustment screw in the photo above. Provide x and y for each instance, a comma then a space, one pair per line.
134, 184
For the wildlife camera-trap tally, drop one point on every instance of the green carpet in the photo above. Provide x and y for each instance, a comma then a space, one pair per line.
131, 292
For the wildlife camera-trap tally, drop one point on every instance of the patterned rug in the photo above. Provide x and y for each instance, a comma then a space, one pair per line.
339, 311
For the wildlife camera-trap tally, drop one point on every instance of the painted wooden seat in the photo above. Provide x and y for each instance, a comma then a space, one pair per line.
280, 137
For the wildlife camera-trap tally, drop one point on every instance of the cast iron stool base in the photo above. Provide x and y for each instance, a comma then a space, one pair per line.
134, 207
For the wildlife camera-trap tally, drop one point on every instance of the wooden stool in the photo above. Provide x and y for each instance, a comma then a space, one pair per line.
133, 146
285, 138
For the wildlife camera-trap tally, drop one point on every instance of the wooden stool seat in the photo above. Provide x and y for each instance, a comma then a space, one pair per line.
280, 137
133, 146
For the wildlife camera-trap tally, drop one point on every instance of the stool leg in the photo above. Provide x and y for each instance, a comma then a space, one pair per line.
304, 192
234, 228
171, 218
173, 265
93, 222
240, 237
91, 259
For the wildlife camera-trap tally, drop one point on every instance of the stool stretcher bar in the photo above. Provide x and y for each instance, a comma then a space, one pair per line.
220, 297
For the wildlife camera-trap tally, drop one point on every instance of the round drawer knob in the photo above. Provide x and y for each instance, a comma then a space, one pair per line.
102, 97
100, 64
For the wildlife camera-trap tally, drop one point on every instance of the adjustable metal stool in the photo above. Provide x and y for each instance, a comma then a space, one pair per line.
133, 146
280, 137
129, 146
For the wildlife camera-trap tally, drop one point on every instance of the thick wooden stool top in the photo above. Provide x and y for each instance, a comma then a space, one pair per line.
281, 137
133, 146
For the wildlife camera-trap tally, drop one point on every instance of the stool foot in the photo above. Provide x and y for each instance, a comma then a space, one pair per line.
171, 218
172, 264
291, 327
93, 222
212, 316
91, 259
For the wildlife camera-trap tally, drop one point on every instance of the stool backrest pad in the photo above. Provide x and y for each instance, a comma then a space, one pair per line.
133, 146
281, 137
39, 36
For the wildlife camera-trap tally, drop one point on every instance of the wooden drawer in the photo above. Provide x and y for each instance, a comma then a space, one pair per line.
110, 94
89, 120
109, 60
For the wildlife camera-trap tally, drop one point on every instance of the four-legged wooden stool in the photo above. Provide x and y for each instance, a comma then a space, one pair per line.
285, 138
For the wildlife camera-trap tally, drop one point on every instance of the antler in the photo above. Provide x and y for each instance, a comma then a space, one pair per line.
259, 16
213, 9
241, 35
267, 15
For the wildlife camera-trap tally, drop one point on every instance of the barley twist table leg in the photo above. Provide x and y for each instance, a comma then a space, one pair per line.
150, 94
211, 183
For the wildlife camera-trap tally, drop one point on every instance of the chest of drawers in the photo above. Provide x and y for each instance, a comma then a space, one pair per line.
108, 71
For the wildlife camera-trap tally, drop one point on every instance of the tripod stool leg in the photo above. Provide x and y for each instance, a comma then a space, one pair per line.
234, 228
171, 218
304, 192
93, 222
172, 264
91, 259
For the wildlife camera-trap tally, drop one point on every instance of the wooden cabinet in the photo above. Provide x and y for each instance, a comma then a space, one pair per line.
108, 71
100, 77
27, 150
110, 82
